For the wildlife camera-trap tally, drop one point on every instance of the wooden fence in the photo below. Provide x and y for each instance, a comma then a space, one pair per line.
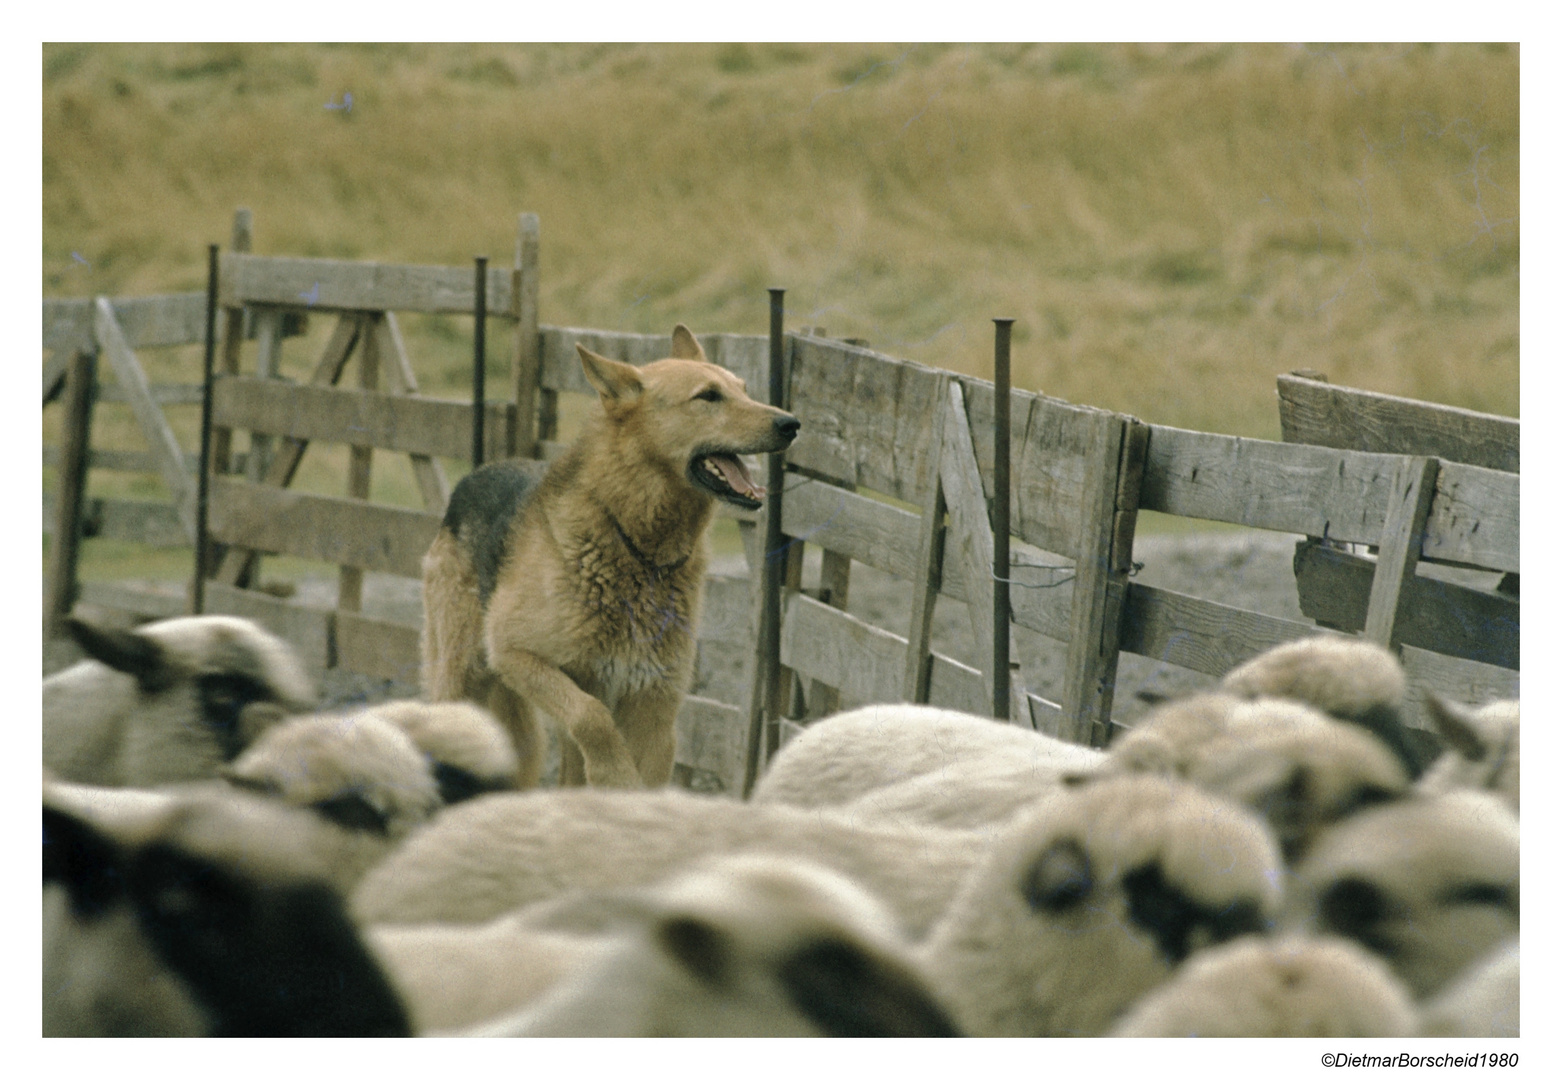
892, 469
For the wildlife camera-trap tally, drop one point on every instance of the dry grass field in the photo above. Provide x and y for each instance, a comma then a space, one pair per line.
1170, 226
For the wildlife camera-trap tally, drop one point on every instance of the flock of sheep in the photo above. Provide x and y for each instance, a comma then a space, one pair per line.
1272, 858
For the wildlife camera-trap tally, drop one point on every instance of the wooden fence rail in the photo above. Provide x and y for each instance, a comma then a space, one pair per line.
892, 469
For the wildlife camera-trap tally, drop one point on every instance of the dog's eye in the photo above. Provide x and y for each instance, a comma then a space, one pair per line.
710, 393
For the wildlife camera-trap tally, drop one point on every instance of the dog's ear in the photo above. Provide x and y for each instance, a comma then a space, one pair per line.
685, 347
612, 380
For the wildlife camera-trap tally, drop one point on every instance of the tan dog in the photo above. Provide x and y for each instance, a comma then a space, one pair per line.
578, 595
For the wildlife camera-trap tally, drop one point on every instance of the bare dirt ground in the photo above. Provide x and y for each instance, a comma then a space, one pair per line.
1248, 569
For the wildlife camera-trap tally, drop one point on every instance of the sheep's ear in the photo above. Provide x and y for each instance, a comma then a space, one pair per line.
685, 347
1059, 879
1151, 697
260, 785
1455, 729
703, 949
849, 993
613, 381
125, 650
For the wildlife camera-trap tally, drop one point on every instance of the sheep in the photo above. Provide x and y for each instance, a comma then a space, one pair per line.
354, 770
470, 752
1357, 681
1429, 882
168, 701
740, 945
1482, 1002
196, 927
1093, 898
1290, 762
483, 858
842, 758
1290, 987
1483, 749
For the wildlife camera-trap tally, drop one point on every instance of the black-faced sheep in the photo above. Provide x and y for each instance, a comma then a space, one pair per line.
1429, 882
1357, 681
471, 754
1482, 749
742, 945
198, 928
1095, 897
1290, 762
1289, 987
168, 701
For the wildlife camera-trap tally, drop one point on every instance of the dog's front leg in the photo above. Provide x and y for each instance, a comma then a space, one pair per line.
544, 687
648, 720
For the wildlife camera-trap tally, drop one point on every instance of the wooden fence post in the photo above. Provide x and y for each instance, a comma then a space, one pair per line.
70, 487
527, 359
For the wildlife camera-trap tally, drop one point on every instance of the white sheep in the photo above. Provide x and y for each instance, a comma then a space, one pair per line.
1285, 759
1483, 1002
1429, 882
1351, 679
353, 769
471, 753
1482, 749
489, 856
740, 945
201, 925
1287, 987
168, 701
1094, 897
840, 759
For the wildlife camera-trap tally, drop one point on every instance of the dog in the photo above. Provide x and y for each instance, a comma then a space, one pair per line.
577, 595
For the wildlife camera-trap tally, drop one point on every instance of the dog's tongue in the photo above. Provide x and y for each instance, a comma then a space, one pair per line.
737, 477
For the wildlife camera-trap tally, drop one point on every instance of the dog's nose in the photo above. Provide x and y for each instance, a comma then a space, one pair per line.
787, 426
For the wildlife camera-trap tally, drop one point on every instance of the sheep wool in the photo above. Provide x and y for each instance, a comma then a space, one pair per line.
1429, 882
841, 758
746, 946
1290, 987
1093, 898
486, 857
168, 701
470, 752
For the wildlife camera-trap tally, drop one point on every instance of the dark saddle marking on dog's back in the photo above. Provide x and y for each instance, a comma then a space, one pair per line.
482, 508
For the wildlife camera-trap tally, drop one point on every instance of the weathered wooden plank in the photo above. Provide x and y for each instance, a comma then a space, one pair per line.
338, 285
360, 457
710, 736
148, 322
1100, 579
54, 368
1333, 586
525, 357
926, 582
308, 630
162, 393
1200, 634
141, 602
409, 423
71, 484
432, 482
268, 356
1400, 548
745, 355
1348, 419
347, 532
130, 461
970, 538
1318, 491
153, 524
377, 647
1474, 520
159, 436
1464, 681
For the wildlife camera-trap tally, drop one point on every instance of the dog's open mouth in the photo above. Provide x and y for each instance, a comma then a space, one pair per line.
726, 477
